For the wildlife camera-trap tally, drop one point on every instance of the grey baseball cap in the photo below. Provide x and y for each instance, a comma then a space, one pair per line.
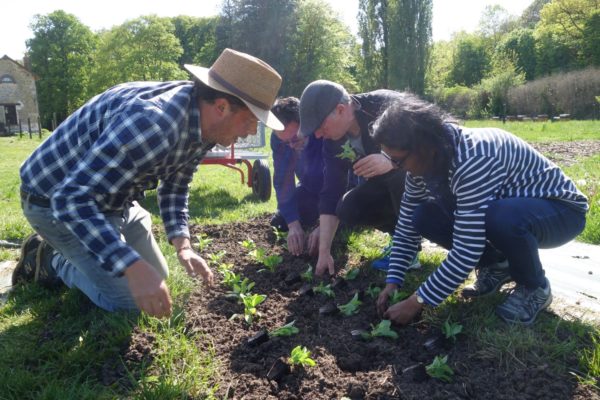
318, 99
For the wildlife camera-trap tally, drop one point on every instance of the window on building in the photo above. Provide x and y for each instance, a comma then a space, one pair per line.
7, 79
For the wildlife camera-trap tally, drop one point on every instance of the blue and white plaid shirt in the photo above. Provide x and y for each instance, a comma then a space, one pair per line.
107, 153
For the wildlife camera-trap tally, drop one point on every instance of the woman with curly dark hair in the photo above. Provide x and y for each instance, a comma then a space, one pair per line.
485, 195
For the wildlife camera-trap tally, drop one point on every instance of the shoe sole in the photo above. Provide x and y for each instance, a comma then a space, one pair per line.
22, 256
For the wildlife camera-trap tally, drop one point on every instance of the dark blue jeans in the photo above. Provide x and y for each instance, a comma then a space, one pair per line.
308, 210
515, 229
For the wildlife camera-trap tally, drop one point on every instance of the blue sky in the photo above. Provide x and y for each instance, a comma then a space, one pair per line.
449, 16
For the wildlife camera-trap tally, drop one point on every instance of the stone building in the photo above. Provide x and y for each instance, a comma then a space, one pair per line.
18, 97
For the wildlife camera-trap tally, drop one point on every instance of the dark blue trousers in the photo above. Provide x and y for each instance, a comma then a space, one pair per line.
515, 229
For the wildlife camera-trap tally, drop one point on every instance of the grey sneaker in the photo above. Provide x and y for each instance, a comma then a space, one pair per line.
523, 305
489, 280
25, 269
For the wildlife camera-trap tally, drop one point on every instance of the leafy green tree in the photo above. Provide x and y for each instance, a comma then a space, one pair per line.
373, 31
197, 37
591, 40
60, 55
470, 61
410, 39
519, 47
143, 49
531, 15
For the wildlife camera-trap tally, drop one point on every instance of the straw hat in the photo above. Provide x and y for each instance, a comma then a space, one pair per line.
250, 79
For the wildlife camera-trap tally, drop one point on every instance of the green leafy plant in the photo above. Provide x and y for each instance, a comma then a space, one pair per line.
348, 152
373, 291
216, 258
258, 254
301, 356
352, 274
397, 296
280, 236
351, 307
242, 288
248, 244
285, 330
203, 241
224, 267
250, 303
230, 278
324, 289
439, 369
307, 275
451, 329
272, 261
382, 329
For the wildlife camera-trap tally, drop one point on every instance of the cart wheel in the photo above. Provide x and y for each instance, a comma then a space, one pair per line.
261, 180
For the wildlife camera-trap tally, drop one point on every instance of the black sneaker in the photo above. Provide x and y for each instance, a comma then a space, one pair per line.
25, 269
45, 274
489, 280
523, 305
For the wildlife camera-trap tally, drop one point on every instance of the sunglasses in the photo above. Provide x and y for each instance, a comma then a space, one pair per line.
397, 163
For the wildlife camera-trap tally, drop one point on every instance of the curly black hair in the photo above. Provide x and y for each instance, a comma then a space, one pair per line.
287, 110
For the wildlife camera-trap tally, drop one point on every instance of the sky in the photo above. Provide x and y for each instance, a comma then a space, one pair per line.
449, 16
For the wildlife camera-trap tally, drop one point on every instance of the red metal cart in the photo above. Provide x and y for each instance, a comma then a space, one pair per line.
259, 174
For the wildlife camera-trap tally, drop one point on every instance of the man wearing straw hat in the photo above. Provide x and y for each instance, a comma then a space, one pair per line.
79, 188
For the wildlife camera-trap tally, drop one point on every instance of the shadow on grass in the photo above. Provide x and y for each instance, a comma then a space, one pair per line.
60, 345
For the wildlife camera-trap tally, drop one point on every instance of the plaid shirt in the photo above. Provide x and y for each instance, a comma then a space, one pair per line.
107, 153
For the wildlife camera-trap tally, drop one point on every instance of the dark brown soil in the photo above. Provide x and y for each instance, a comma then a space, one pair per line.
567, 153
377, 369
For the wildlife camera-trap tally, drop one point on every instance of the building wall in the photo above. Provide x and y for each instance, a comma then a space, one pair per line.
17, 87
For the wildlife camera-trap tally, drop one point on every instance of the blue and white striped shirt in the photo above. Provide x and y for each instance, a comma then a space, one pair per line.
489, 164
107, 153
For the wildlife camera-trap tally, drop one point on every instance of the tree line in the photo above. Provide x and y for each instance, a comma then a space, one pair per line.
306, 40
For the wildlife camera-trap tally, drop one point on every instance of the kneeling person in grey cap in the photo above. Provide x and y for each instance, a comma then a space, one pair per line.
343, 121
79, 188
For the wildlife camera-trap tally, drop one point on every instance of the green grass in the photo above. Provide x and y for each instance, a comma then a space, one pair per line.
544, 131
56, 344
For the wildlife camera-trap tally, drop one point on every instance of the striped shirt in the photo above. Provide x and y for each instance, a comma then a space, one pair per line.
489, 164
107, 153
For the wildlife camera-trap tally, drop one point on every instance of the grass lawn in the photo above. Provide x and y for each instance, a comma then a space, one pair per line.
54, 345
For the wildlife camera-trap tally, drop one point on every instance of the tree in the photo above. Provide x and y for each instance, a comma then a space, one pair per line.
396, 36
60, 55
470, 62
531, 16
322, 48
519, 47
591, 40
143, 49
495, 21
197, 37
410, 39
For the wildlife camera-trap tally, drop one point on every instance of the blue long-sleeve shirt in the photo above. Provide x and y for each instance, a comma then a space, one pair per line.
289, 164
107, 153
488, 164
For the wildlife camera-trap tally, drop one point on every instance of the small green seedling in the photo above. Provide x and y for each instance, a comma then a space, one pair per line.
352, 274
451, 330
250, 303
286, 330
351, 307
203, 241
348, 152
258, 254
324, 289
230, 278
224, 267
280, 236
397, 296
248, 244
272, 261
383, 329
215, 259
301, 356
373, 291
242, 288
440, 369
307, 275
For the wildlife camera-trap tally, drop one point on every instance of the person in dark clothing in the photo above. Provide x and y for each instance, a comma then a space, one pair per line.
301, 158
343, 120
